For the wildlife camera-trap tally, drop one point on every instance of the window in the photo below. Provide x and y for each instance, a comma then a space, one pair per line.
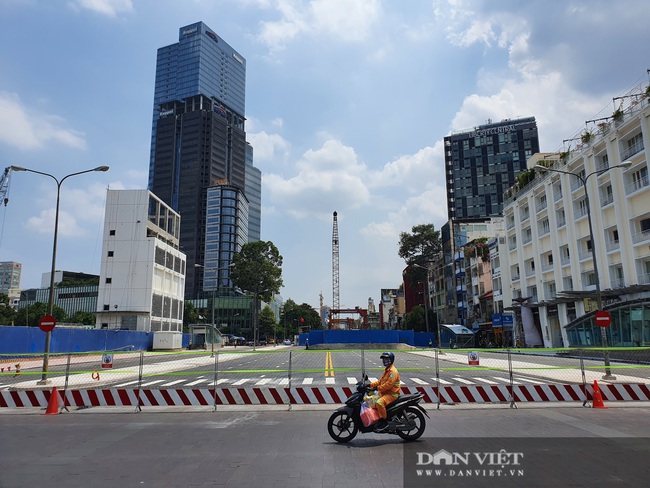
110, 254
107, 307
109, 280
111, 232
645, 225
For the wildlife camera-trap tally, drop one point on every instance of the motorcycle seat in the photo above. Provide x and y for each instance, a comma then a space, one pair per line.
403, 398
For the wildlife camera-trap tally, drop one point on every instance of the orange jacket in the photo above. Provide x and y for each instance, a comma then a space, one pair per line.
388, 383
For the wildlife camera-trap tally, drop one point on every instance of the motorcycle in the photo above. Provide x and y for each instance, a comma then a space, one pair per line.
405, 417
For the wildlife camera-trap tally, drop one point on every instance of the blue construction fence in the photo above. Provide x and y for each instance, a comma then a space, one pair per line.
365, 336
31, 340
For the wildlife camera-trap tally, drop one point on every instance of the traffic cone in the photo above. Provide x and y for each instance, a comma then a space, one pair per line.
598, 397
53, 403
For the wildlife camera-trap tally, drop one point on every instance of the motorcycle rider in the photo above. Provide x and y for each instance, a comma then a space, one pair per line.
388, 387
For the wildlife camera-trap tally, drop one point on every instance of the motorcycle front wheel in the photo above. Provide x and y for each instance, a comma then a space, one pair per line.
341, 427
416, 424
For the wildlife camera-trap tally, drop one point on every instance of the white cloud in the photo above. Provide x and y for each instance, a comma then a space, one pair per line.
345, 20
78, 208
268, 147
27, 129
110, 8
328, 177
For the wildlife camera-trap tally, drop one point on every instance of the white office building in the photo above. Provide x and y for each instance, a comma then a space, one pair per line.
142, 280
545, 257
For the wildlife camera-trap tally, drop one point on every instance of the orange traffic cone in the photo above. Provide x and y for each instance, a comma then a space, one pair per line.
53, 403
598, 397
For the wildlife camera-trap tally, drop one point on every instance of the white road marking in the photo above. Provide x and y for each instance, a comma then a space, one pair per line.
240, 382
329, 381
463, 380
202, 380
126, 384
173, 383
443, 382
506, 380
419, 381
489, 382
307, 381
152, 383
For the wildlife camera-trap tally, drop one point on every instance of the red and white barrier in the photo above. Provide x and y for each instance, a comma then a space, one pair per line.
317, 395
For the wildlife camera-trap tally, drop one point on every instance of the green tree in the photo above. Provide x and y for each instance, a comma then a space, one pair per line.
420, 249
31, 315
257, 269
296, 316
267, 323
81, 317
7, 312
190, 315
416, 321
421, 246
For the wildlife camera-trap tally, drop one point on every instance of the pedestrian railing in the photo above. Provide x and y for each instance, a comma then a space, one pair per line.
295, 376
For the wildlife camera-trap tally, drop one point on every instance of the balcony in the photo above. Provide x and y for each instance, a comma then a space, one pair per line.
632, 150
557, 195
644, 279
584, 255
606, 200
547, 267
618, 283
561, 221
612, 245
565, 260
641, 236
636, 185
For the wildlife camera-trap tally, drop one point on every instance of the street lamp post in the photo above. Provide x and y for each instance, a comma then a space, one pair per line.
212, 325
426, 305
50, 301
599, 300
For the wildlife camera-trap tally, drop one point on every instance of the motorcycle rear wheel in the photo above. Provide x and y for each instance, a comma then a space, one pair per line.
341, 427
417, 422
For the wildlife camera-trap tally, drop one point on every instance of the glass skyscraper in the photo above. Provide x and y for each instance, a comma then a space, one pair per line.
199, 141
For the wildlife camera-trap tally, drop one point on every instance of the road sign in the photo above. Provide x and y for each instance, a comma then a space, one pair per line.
47, 323
603, 318
472, 358
107, 361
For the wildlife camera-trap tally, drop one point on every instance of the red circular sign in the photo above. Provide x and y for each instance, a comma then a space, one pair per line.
47, 323
603, 318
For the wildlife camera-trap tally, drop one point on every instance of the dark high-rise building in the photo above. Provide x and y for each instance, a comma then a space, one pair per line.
481, 164
199, 141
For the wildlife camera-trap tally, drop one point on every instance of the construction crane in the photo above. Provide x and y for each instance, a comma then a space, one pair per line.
4, 195
4, 185
335, 263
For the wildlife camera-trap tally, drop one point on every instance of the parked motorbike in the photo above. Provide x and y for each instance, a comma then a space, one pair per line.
405, 417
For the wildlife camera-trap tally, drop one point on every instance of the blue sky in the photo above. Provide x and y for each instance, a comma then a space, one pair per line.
347, 104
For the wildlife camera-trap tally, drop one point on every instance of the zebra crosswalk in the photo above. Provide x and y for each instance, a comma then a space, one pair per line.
207, 381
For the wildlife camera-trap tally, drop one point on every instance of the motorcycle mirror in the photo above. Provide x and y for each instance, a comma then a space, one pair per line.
365, 378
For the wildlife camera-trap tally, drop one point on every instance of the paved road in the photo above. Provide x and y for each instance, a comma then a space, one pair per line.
558, 446
275, 367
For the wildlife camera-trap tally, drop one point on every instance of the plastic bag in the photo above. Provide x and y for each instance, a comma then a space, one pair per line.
371, 398
368, 415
